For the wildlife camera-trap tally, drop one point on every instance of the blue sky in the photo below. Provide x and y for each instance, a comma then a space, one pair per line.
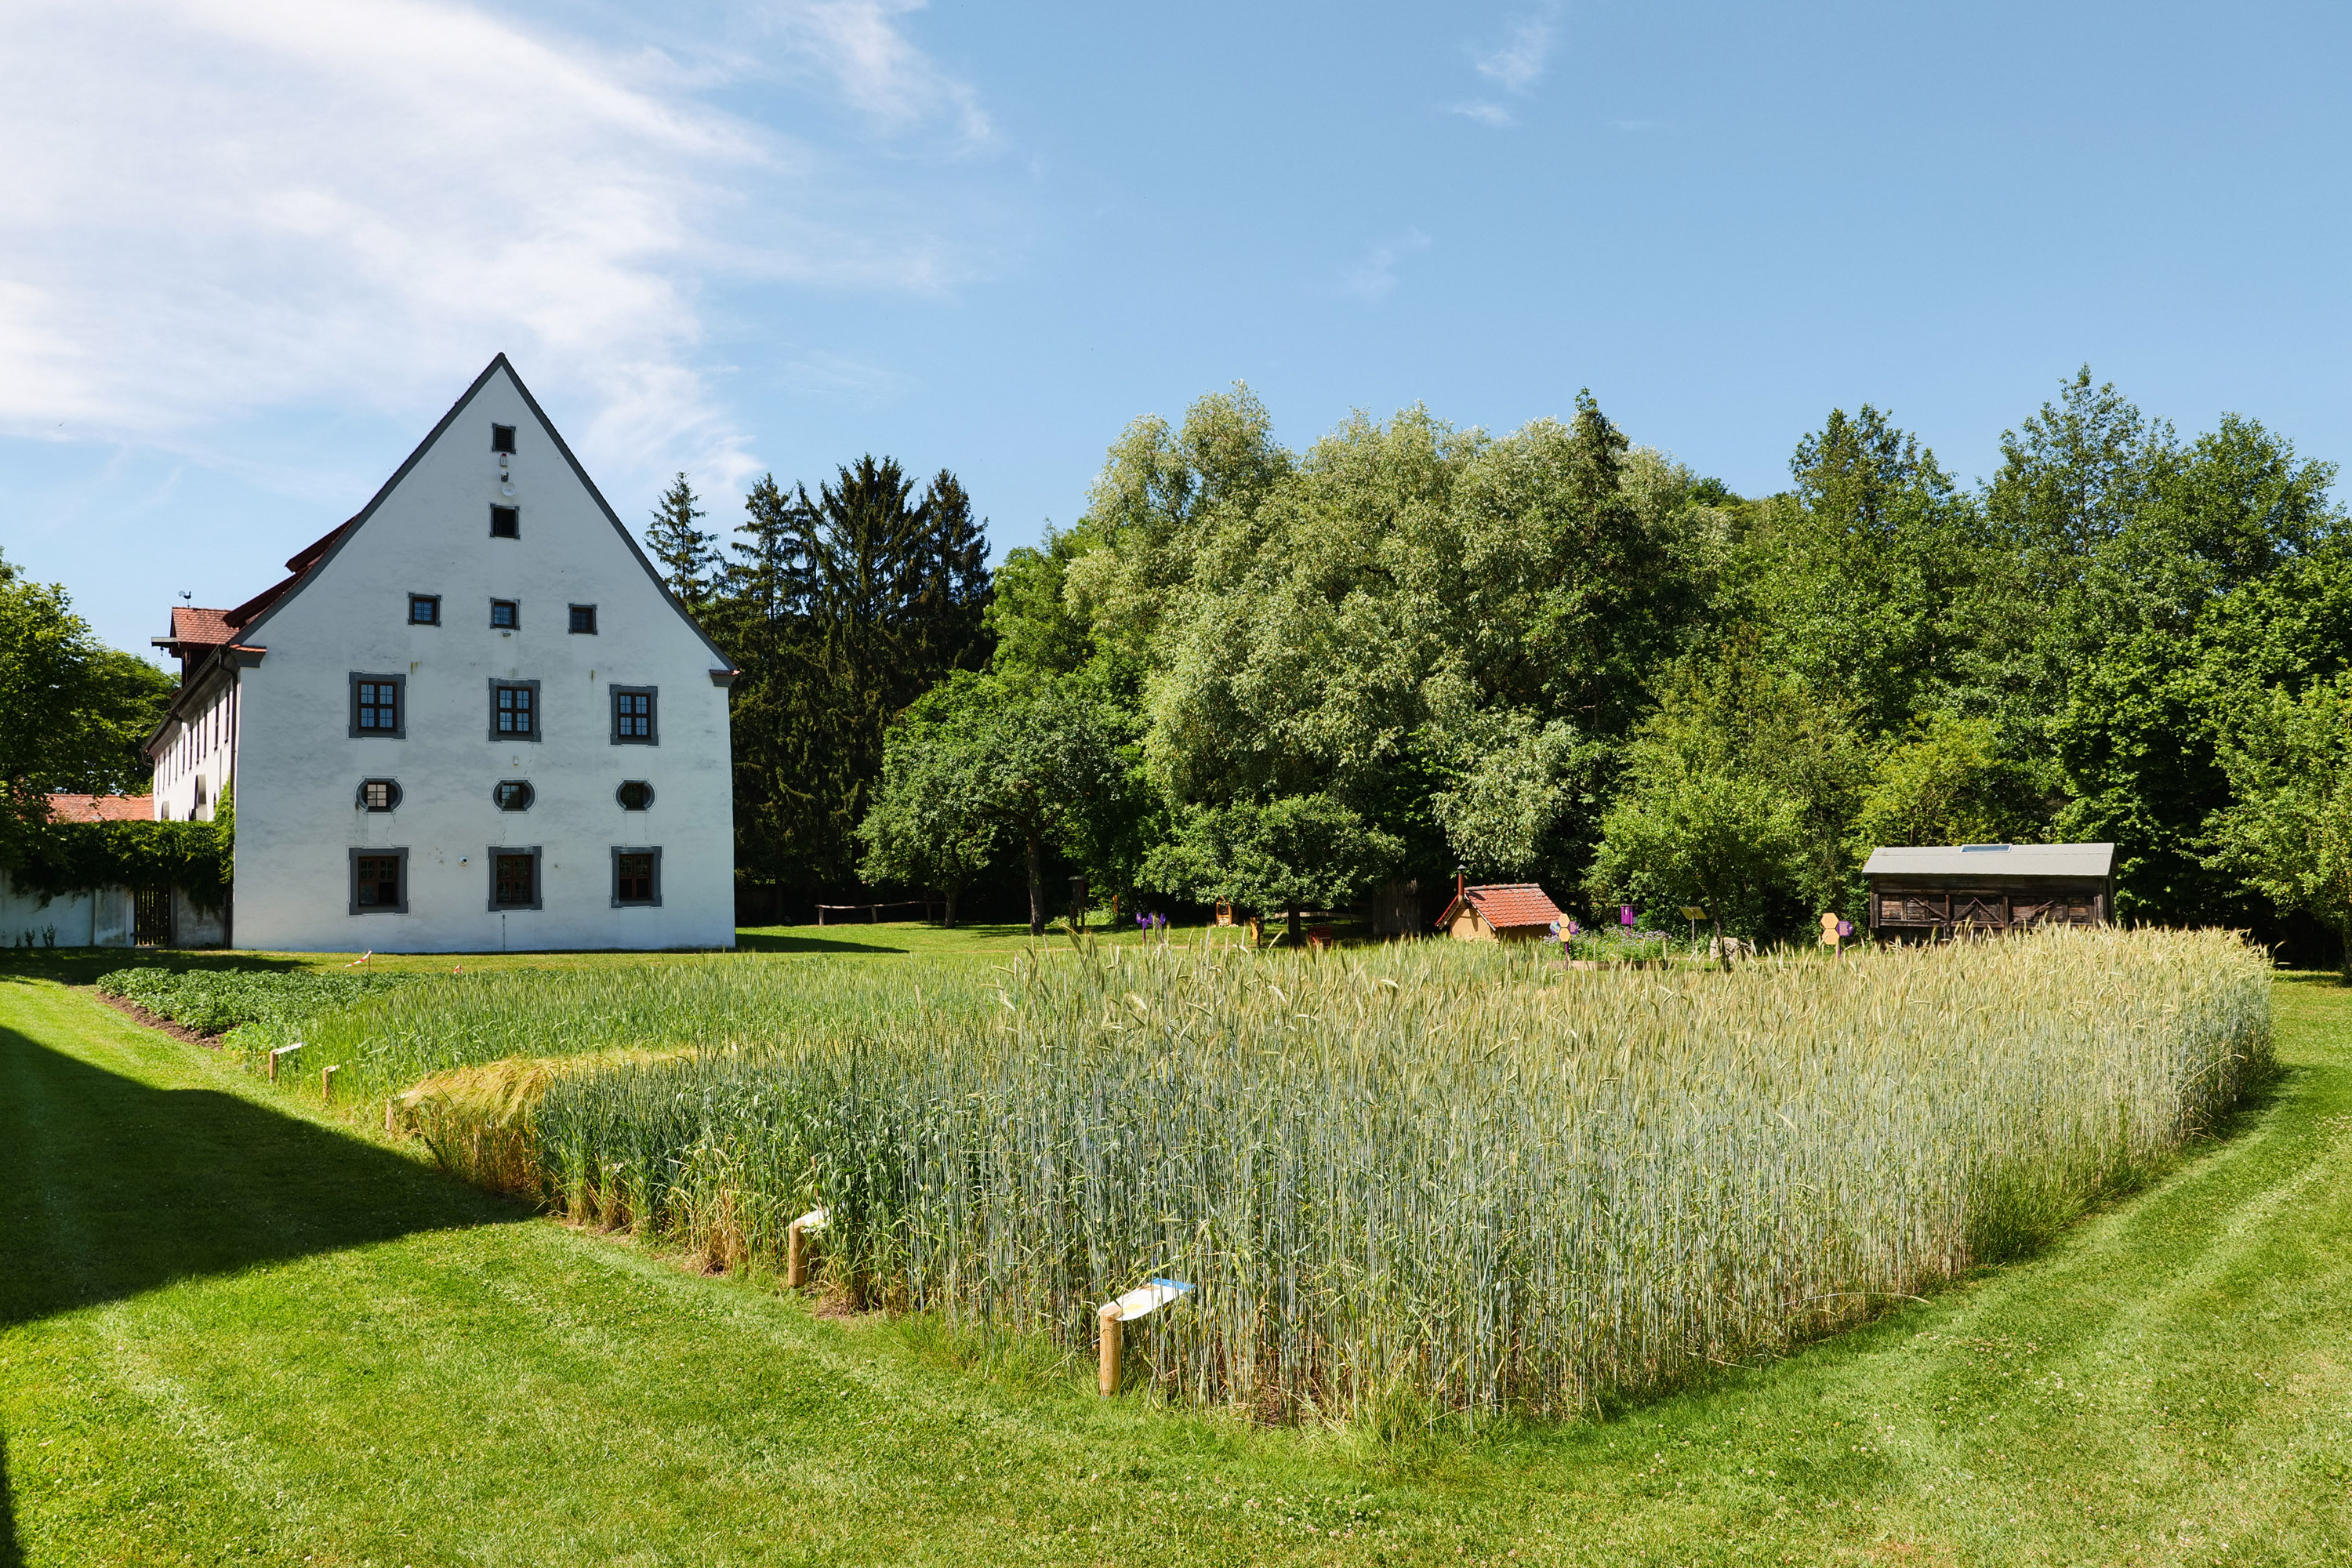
250, 249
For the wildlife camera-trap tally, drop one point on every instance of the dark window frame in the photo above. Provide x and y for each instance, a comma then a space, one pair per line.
352, 880
393, 794
530, 795
652, 694
514, 607
432, 599
502, 439
510, 515
652, 902
621, 800
399, 684
589, 629
538, 712
538, 884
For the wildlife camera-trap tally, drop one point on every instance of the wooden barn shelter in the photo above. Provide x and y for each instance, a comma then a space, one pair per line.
1924, 893
1512, 911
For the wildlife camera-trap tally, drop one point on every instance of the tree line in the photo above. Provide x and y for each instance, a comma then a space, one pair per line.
1328, 678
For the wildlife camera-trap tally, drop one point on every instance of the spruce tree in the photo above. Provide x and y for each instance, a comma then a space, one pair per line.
689, 557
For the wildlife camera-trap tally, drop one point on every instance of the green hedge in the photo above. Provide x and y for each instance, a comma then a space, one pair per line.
71, 857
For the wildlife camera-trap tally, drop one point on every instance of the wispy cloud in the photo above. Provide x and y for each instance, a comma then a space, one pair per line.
1513, 66
1375, 278
859, 47
353, 203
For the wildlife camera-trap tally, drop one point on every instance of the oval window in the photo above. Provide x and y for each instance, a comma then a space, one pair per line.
513, 794
635, 795
378, 794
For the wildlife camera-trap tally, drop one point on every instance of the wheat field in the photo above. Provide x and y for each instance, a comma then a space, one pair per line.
1424, 1178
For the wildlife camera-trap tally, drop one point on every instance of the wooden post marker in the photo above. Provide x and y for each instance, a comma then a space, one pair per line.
1147, 1298
388, 1102
327, 1083
1106, 1322
280, 1052
796, 1247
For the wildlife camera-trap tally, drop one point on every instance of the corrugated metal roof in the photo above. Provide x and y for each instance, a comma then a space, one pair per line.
1993, 861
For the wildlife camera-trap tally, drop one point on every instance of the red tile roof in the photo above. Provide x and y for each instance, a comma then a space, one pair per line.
200, 628
1508, 906
102, 807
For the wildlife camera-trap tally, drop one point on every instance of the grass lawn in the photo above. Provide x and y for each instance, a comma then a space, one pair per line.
81, 965
231, 1331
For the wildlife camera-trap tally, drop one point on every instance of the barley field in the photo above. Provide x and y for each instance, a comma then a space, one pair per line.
1425, 1179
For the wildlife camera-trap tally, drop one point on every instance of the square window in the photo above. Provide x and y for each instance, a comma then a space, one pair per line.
506, 522
514, 879
502, 438
378, 706
423, 609
636, 876
505, 615
378, 882
633, 716
379, 795
514, 709
583, 618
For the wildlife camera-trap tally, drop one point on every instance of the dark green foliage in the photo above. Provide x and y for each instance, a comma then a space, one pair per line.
215, 1000
1290, 854
690, 561
71, 857
73, 711
840, 608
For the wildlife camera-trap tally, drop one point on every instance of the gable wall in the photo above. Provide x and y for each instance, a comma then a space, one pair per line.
300, 768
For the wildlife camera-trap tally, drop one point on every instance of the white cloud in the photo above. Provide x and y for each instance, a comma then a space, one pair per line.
1375, 276
1484, 113
1514, 65
858, 45
214, 207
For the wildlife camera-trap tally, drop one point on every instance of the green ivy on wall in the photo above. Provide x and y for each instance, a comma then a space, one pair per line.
73, 857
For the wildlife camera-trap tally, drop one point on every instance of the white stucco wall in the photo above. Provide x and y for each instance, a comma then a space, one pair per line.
197, 760
98, 918
298, 768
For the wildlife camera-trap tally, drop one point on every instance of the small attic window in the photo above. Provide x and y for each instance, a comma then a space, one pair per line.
502, 438
506, 522
1984, 849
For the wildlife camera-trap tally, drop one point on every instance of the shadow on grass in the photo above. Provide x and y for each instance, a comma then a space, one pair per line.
12, 1552
82, 965
752, 939
110, 1187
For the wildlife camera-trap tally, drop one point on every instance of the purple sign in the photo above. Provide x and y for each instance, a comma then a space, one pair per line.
1624, 915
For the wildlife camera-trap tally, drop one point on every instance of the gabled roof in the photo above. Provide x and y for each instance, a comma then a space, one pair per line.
200, 628
1505, 905
101, 808
1994, 862
305, 563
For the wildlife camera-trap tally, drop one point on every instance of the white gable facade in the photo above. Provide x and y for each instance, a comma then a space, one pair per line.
476, 722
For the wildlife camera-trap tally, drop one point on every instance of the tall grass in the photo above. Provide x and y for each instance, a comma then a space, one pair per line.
1435, 1176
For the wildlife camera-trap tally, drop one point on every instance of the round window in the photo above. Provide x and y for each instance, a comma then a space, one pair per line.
635, 795
511, 795
378, 794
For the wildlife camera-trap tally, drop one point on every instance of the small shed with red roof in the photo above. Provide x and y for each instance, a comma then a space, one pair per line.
1505, 912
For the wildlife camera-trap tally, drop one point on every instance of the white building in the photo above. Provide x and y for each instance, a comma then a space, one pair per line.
473, 719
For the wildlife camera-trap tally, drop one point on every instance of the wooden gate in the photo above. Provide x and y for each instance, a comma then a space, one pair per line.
151, 923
